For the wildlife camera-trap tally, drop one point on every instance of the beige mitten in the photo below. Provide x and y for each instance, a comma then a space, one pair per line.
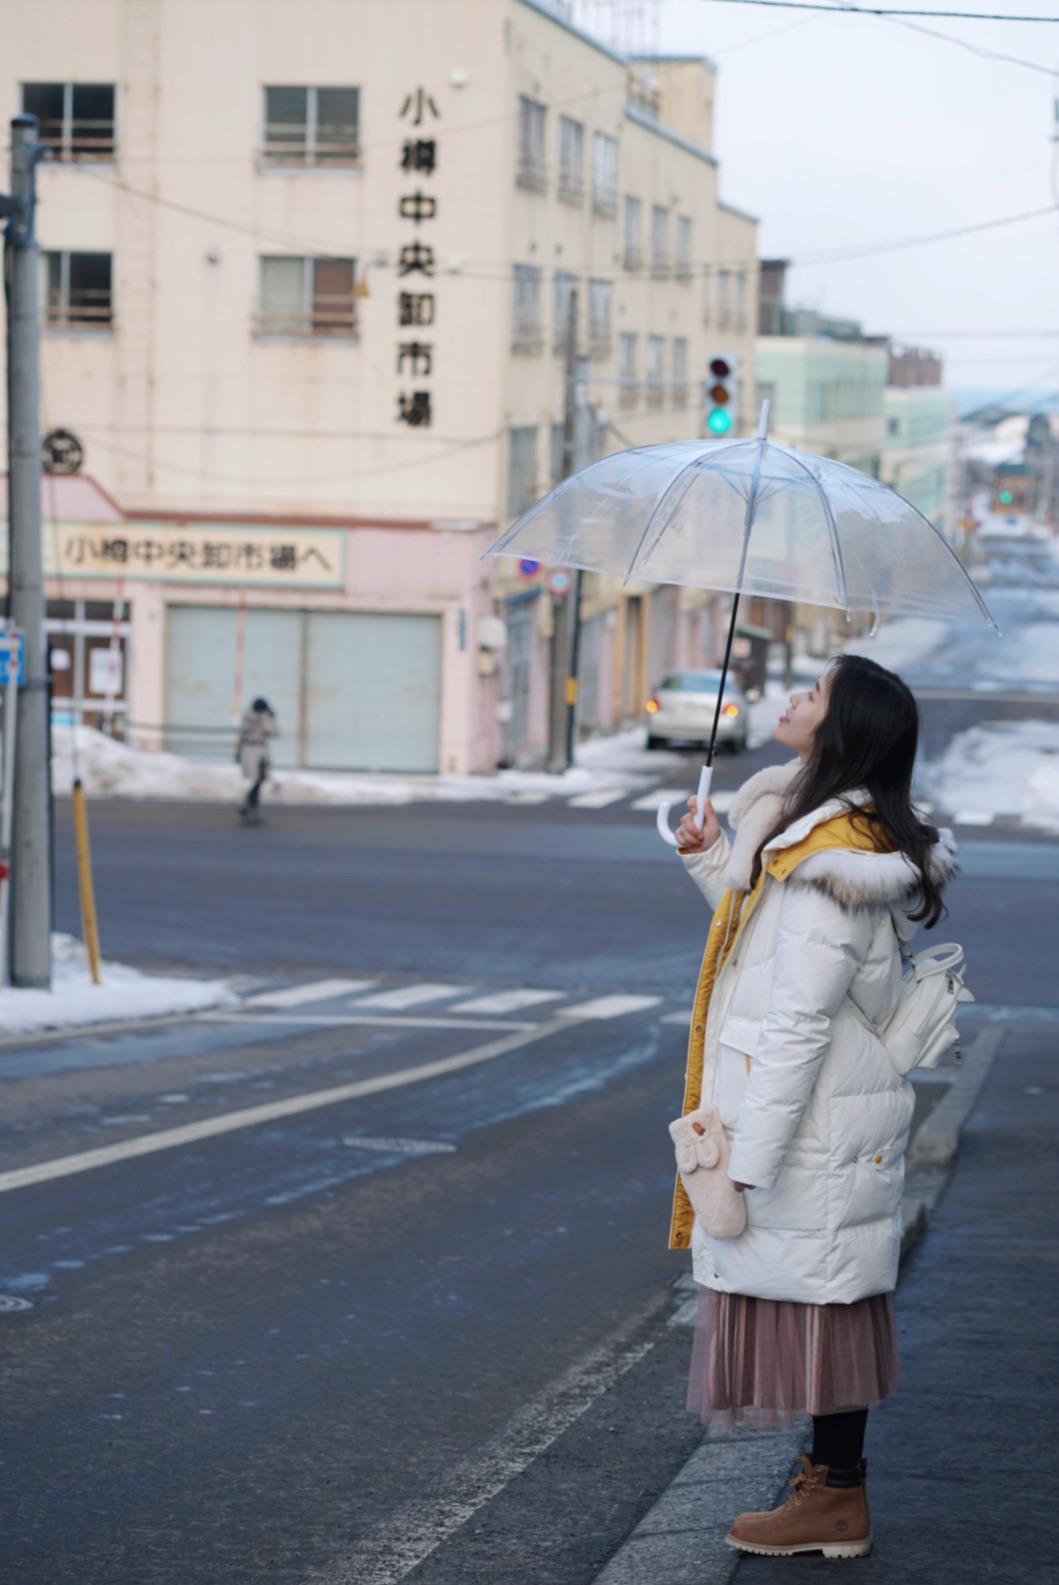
702, 1161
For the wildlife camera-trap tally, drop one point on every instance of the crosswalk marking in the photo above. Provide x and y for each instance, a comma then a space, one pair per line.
506, 1001
609, 1007
314, 991
527, 797
678, 797
677, 1018
973, 817
661, 795
598, 799
409, 996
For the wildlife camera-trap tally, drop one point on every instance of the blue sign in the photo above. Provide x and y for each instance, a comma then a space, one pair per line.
529, 568
5, 659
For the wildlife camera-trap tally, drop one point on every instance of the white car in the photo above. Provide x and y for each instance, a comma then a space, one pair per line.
681, 711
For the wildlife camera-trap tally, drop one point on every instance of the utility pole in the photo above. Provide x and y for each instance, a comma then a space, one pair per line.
566, 642
31, 840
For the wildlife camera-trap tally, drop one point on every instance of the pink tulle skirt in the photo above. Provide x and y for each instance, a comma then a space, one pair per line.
763, 1360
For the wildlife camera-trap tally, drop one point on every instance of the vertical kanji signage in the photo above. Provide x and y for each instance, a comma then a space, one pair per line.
416, 264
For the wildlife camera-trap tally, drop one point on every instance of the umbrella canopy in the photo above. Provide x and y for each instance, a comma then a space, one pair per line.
750, 517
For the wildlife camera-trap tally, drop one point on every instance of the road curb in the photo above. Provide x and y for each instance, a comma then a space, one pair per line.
681, 1540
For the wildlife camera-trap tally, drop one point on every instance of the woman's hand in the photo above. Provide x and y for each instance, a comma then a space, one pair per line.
689, 837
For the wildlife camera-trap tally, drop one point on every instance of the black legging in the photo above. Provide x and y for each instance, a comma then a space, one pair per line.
838, 1439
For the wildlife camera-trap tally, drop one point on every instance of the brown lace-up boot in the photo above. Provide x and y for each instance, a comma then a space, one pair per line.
827, 1511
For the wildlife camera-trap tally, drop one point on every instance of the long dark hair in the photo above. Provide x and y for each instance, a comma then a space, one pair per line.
868, 740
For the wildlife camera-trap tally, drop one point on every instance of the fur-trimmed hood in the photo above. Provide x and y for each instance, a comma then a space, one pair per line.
852, 879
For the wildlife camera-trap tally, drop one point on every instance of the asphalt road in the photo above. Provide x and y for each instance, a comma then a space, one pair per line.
419, 1331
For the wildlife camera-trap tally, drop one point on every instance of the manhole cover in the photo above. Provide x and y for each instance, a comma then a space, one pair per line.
9, 1303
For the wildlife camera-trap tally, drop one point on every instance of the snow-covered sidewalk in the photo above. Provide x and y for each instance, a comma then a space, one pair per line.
1003, 768
124, 995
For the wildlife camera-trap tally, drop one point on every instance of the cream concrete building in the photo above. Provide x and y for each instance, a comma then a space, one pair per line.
304, 271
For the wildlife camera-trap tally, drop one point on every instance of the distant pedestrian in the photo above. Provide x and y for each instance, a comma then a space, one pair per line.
796, 1313
257, 729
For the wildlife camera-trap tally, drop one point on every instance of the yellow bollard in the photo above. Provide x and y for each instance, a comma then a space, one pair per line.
89, 927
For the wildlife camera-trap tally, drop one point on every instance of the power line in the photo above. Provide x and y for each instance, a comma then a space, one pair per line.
902, 20
488, 271
867, 250
967, 335
886, 11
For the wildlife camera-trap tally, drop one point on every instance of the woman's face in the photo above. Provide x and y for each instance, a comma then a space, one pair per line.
796, 727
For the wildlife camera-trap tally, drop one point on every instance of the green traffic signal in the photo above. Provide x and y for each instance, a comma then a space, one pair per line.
719, 421
1006, 497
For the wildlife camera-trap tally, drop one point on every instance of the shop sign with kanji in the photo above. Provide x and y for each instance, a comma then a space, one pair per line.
294, 558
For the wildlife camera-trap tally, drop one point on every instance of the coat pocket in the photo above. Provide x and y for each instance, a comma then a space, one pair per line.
735, 1054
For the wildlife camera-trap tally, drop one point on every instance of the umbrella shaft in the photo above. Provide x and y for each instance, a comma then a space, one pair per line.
724, 678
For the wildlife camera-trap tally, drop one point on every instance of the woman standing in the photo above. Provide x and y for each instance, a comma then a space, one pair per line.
796, 1313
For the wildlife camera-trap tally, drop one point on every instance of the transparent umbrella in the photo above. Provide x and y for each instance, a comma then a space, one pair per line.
748, 517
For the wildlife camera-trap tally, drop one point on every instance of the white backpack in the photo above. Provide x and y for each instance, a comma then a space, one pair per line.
922, 1027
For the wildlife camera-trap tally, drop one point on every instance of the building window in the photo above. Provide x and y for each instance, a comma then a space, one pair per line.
656, 365
522, 470
683, 257
659, 241
565, 285
557, 437
600, 300
724, 307
532, 172
633, 251
312, 126
893, 427
571, 160
680, 371
307, 297
75, 121
628, 358
707, 294
604, 174
528, 333
76, 291
740, 300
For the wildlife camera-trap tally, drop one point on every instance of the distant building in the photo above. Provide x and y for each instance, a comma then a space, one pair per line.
919, 438
305, 313
826, 379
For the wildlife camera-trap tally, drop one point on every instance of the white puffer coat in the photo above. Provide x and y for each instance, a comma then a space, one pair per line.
817, 1116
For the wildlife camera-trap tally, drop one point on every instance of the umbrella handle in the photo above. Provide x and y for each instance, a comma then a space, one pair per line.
662, 817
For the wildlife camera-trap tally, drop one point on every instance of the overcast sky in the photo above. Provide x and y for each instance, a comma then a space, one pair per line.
845, 130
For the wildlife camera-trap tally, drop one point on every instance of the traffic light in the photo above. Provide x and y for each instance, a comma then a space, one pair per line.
722, 394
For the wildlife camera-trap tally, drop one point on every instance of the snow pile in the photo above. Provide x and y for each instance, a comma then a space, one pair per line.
124, 994
1001, 768
111, 769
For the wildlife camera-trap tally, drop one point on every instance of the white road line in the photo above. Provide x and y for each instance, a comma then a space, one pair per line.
314, 991
390, 1552
973, 817
609, 1007
271, 1112
409, 996
599, 799
527, 798
677, 1018
379, 1020
506, 1001
662, 795
404, 1147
